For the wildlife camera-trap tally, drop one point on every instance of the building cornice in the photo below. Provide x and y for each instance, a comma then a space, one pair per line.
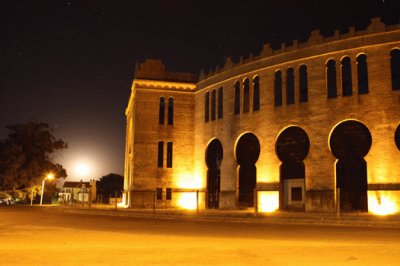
164, 85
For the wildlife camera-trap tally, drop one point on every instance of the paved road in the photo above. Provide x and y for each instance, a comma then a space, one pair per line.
39, 236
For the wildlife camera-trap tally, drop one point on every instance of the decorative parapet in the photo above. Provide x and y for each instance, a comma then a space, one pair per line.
266, 50
228, 63
164, 85
375, 27
315, 38
152, 69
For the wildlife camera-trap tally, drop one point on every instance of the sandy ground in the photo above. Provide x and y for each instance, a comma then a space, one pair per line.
36, 236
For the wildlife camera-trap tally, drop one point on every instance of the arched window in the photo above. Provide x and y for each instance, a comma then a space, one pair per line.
256, 93
347, 87
170, 111
207, 107
278, 88
290, 86
246, 95
220, 102
213, 104
237, 98
331, 79
395, 67
362, 71
161, 112
303, 84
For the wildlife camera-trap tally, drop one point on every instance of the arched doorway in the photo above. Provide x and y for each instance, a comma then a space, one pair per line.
247, 153
214, 154
292, 148
397, 137
350, 142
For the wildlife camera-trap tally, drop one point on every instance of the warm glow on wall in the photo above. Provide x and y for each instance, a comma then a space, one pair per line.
186, 200
379, 173
123, 203
188, 181
268, 201
383, 202
266, 175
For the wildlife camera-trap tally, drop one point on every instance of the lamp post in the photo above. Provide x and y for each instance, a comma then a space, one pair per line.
49, 177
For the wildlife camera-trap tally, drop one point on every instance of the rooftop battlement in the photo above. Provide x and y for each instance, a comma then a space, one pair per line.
152, 69
375, 27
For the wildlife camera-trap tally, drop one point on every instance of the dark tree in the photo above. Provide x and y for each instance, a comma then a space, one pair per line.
110, 184
26, 156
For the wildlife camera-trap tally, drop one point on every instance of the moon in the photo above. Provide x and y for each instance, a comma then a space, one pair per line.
82, 169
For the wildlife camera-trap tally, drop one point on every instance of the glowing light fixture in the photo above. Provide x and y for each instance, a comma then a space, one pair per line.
123, 203
268, 201
49, 176
187, 200
382, 203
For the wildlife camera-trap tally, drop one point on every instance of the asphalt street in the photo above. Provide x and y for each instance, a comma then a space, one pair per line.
43, 236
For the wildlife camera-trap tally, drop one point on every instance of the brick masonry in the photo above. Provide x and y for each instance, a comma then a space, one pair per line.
378, 110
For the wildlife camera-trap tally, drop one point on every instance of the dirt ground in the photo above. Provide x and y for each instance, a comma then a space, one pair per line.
39, 236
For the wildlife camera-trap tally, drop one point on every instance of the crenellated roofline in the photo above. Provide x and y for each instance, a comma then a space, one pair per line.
316, 39
164, 85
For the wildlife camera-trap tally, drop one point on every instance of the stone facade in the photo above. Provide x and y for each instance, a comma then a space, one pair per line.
318, 116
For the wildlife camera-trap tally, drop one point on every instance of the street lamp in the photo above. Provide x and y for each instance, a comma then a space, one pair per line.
49, 177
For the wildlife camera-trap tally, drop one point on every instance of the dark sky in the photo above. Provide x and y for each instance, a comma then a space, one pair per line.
71, 63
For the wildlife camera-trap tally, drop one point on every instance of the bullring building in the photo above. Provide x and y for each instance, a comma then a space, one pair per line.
313, 126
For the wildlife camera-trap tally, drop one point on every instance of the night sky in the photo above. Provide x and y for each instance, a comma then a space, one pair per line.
71, 63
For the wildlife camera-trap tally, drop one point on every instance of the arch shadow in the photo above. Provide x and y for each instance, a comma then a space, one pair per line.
214, 155
350, 141
247, 152
292, 147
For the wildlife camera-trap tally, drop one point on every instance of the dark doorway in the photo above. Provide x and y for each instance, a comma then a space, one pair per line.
214, 154
292, 148
350, 142
397, 137
247, 153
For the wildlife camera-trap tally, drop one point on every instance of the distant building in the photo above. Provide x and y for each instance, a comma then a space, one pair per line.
78, 191
311, 126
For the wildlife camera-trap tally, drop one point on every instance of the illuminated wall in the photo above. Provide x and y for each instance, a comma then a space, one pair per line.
377, 110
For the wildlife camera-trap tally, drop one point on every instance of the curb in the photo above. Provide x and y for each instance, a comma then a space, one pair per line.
311, 219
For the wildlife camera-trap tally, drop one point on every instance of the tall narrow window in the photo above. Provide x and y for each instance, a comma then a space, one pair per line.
278, 88
168, 195
237, 98
220, 102
213, 104
159, 193
290, 86
246, 95
160, 160
347, 87
331, 79
362, 71
161, 113
303, 84
170, 111
395, 68
169, 154
207, 107
256, 93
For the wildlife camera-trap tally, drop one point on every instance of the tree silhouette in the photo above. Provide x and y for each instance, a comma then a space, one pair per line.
26, 156
110, 184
